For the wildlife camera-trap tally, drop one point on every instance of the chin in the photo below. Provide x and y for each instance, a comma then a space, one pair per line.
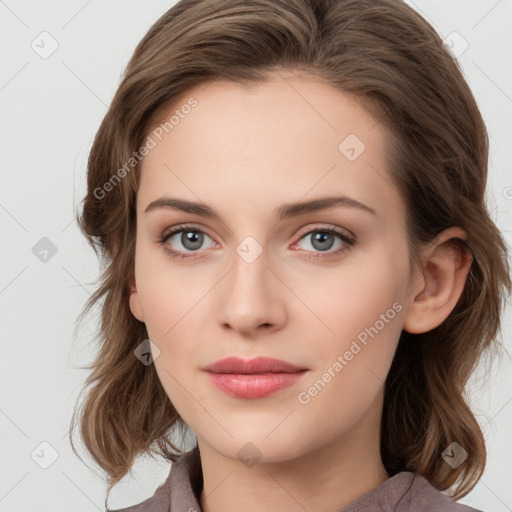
258, 447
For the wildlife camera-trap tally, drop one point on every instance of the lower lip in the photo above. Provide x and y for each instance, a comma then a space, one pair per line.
254, 385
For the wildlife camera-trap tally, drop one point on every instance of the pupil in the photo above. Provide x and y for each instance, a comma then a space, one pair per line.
321, 237
194, 238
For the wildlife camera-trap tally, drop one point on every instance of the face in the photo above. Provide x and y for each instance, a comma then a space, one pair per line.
323, 289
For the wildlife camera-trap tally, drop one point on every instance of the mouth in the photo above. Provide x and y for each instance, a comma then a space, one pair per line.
254, 378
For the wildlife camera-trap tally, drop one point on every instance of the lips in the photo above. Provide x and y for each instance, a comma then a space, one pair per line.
258, 365
254, 378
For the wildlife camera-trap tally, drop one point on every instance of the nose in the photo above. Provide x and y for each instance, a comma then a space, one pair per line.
251, 299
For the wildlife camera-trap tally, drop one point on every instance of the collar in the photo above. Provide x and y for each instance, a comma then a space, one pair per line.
400, 493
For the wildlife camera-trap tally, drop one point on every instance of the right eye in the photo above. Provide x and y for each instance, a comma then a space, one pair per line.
190, 237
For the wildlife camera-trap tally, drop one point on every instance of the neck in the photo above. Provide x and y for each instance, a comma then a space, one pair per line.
320, 480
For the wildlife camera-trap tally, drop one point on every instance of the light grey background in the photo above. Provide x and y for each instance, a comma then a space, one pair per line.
51, 108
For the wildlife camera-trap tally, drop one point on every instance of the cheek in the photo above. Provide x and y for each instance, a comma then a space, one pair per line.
164, 293
353, 296
364, 309
174, 312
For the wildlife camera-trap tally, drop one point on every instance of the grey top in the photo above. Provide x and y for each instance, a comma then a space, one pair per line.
403, 492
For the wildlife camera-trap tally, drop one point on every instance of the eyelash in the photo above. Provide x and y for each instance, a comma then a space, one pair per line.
317, 255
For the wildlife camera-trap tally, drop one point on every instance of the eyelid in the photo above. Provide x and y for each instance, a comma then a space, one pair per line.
328, 227
182, 227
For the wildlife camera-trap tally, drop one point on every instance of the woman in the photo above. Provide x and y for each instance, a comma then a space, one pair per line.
288, 197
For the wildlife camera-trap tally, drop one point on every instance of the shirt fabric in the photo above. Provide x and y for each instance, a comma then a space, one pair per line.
403, 492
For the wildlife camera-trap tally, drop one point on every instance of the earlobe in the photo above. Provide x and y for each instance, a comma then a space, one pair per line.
445, 272
134, 301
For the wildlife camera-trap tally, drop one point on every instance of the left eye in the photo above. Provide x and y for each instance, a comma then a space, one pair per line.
323, 240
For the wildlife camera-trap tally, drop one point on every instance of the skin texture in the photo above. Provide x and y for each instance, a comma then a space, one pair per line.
245, 153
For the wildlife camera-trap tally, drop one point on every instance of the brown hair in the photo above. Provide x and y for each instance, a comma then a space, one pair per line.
386, 55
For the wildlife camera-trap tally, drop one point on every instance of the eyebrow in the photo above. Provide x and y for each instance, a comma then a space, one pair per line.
283, 212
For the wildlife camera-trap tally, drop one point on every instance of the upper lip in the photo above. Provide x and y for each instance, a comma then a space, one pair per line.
249, 366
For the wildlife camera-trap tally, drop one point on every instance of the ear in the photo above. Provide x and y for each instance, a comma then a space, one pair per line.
134, 300
445, 269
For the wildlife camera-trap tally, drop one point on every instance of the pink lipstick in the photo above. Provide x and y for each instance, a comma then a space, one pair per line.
253, 378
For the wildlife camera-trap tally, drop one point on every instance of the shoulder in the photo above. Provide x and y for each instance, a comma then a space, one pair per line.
181, 489
424, 497
159, 502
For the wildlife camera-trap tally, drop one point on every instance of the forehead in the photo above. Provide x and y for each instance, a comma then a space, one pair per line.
276, 141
